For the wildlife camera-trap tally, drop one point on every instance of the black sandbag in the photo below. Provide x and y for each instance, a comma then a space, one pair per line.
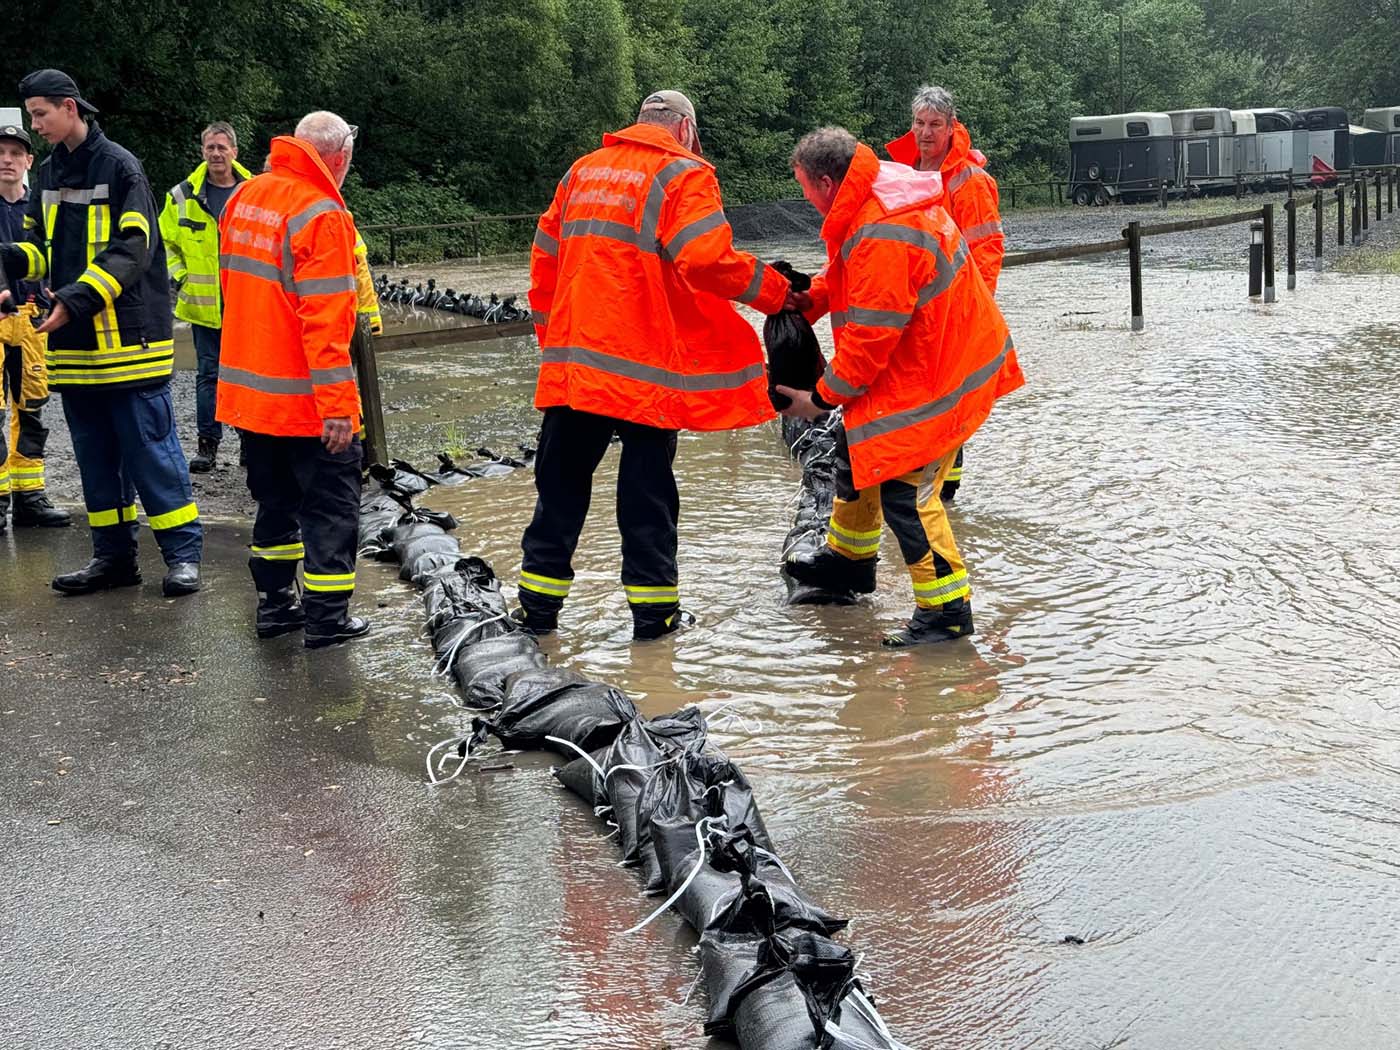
682, 793
416, 525
419, 566
553, 702
449, 473
379, 513
581, 777
794, 357
793, 991
481, 667
411, 549
635, 755
464, 605
400, 478
818, 448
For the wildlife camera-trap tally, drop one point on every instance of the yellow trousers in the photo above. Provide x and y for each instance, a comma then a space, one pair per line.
912, 508
26, 391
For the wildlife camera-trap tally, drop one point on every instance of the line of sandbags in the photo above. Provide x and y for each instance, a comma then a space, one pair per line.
820, 449
405, 479
685, 814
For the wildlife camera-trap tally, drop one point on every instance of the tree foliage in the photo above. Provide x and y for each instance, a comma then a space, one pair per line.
470, 106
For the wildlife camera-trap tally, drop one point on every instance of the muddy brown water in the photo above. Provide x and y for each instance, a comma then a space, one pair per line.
1175, 737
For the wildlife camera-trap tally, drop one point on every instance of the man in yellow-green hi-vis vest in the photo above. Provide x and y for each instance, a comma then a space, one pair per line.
189, 224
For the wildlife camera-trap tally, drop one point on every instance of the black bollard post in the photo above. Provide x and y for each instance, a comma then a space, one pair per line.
1291, 206
1239, 186
1290, 183
1341, 217
1378, 200
1269, 294
1134, 237
1361, 189
1390, 192
1256, 259
1317, 227
1163, 188
1355, 216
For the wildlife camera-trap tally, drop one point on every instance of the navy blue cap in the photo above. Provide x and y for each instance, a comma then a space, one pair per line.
54, 83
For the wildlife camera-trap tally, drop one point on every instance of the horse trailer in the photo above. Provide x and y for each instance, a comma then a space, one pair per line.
1123, 155
1205, 147
1329, 137
1387, 121
1247, 159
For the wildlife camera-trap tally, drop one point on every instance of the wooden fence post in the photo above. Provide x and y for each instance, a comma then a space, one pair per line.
393, 247
1134, 236
371, 401
1162, 186
1317, 227
1269, 294
1378, 199
1291, 206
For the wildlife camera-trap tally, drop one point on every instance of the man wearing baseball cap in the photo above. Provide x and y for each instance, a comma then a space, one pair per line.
632, 278
91, 235
24, 377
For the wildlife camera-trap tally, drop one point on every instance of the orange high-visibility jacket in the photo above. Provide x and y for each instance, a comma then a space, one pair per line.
970, 197
922, 351
287, 269
630, 274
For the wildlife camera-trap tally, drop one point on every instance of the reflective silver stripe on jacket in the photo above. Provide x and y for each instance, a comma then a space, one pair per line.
963, 175
545, 243
982, 231
643, 236
756, 283
933, 409
620, 366
100, 192
692, 230
303, 218
264, 384
890, 231
839, 386
945, 271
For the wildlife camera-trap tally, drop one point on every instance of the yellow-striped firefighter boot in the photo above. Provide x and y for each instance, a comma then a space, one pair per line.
951, 483
541, 598
656, 610
847, 562
942, 594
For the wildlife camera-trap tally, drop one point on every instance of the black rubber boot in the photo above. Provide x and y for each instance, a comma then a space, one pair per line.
204, 459
944, 624
320, 636
833, 572
279, 613
536, 622
647, 627
949, 492
181, 579
98, 575
33, 510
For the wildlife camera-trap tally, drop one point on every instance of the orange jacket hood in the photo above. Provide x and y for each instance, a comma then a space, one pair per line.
293, 156
894, 187
905, 150
653, 136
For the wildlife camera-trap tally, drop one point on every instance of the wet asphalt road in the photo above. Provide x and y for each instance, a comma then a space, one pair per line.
207, 841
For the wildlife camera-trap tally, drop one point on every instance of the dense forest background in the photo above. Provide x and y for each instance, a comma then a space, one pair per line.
474, 107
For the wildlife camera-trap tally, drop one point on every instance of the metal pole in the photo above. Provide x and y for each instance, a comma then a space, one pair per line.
1355, 215
393, 247
1378, 200
1134, 235
1362, 189
1291, 206
1256, 260
1390, 193
1269, 294
476, 240
1341, 217
1290, 183
1163, 188
371, 402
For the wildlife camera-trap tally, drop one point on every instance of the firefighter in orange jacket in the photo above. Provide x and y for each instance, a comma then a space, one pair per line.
937, 141
922, 352
285, 381
631, 274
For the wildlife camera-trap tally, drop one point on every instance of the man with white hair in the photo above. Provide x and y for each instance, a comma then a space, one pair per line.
287, 271
937, 141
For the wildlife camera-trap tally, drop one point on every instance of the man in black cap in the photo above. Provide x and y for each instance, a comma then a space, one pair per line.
91, 235
24, 377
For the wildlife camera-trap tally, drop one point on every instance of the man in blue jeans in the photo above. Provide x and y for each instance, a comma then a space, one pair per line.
189, 225
91, 235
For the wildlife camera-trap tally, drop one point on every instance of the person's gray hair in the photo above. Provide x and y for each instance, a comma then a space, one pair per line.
937, 99
220, 127
329, 133
826, 151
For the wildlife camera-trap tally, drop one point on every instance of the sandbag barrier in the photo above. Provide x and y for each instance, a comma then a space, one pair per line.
820, 449
684, 814
493, 309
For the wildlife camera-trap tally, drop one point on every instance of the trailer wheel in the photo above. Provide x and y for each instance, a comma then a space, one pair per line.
1101, 197
1083, 196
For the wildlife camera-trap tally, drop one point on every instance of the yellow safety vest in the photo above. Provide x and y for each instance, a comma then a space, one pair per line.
192, 248
364, 288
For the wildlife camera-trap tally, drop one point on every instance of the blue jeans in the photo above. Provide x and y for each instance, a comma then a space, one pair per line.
125, 443
206, 381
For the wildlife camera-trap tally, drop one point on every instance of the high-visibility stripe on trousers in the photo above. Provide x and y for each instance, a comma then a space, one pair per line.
572, 444
125, 443
912, 508
308, 511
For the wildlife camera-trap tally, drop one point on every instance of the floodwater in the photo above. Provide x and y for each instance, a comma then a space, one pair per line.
1153, 803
